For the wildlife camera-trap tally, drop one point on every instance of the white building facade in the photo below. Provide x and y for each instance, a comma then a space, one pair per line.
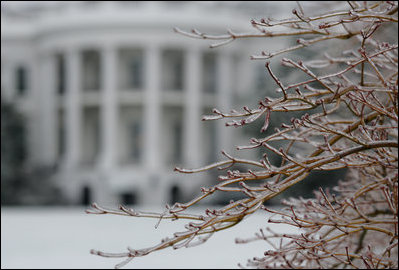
114, 98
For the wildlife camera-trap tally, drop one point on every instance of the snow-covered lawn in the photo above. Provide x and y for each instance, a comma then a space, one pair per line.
63, 237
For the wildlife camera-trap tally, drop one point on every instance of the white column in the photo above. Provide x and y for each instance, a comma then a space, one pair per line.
73, 115
152, 110
224, 98
155, 191
47, 112
192, 109
6, 81
109, 108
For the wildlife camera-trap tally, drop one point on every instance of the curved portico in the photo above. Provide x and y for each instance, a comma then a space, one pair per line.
120, 97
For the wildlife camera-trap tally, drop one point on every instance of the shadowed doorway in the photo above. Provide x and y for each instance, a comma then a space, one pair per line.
86, 196
175, 194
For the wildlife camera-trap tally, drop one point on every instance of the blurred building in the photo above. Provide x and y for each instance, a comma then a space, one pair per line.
114, 98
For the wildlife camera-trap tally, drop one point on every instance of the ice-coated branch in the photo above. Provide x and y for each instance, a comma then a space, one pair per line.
347, 118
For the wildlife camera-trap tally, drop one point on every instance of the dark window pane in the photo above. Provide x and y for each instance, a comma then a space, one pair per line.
60, 84
136, 72
91, 70
172, 70
178, 136
90, 135
135, 135
21, 80
175, 195
131, 75
209, 72
61, 134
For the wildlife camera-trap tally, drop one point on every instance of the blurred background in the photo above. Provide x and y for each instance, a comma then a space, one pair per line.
100, 100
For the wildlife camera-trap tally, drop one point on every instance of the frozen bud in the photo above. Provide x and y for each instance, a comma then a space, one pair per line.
216, 111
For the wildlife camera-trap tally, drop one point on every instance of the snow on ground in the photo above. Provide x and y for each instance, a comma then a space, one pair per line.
62, 238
